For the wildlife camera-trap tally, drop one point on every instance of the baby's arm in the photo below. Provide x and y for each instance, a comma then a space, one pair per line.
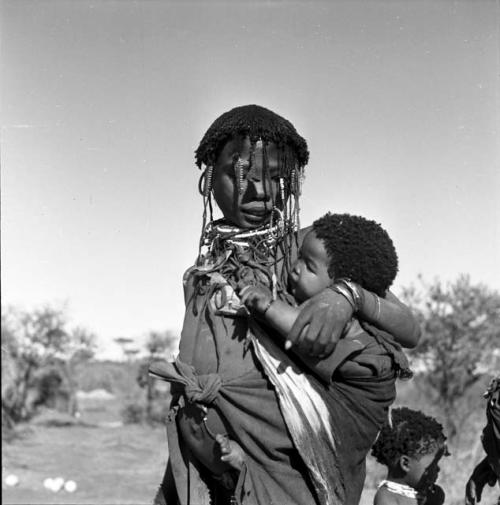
281, 316
390, 315
259, 301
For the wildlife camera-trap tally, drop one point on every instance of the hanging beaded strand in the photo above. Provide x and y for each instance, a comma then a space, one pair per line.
238, 165
266, 175
205, 188
285, 196
297, 189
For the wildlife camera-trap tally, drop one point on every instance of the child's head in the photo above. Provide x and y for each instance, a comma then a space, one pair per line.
411, 444
254, 160
341, 245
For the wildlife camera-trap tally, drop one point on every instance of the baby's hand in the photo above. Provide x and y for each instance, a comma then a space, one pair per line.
256, 298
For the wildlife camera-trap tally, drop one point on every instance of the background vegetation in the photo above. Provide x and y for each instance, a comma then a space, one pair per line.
55, 394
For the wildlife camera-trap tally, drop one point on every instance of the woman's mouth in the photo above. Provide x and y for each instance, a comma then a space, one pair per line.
259, 214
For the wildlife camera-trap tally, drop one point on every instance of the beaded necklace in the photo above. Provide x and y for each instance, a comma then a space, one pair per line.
232, 255
398, 488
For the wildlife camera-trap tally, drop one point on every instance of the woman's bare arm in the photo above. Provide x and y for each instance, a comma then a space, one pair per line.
323, 317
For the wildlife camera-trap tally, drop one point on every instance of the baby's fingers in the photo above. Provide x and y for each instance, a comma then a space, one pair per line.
223, 442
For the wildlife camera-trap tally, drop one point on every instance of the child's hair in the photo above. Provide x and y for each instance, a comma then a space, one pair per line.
359, 249
407, 432
253, 121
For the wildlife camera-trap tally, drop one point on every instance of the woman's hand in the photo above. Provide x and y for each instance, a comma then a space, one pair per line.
320, 324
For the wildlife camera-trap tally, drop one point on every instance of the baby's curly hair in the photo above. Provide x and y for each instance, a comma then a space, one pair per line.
253, 121
359, 249
408, 432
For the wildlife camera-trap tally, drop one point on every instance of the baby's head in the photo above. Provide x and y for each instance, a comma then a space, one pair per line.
411, 444
342, 245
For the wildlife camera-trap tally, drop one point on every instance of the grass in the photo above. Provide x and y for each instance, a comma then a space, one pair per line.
124, 464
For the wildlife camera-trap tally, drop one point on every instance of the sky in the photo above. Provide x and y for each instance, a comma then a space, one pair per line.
104, 102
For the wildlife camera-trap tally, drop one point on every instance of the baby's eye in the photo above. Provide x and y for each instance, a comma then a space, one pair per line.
310, 266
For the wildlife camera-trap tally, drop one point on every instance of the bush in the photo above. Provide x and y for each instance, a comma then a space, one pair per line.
133, 413
159, 412
115, 377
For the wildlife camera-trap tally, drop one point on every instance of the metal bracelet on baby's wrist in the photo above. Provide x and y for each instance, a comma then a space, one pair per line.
350, 291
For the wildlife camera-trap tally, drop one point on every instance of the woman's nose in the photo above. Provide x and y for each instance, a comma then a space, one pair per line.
259, 189
259, 184
256, 172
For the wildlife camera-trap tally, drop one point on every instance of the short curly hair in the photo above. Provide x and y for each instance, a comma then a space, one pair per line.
359, 249
255, 122
407, 432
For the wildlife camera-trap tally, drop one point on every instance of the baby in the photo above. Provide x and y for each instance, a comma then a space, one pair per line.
341, 252
410, 445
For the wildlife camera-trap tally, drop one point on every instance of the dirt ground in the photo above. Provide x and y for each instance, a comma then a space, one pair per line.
111, 463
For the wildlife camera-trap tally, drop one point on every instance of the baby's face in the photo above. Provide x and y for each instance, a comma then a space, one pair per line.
309, 274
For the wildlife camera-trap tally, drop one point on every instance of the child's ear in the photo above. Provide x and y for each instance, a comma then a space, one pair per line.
404, 463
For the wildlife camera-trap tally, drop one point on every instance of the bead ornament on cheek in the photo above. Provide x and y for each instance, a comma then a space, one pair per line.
240, 166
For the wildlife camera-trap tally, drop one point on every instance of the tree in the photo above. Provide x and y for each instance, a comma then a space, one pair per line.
30, 342
160, 345
460, 342
124, 343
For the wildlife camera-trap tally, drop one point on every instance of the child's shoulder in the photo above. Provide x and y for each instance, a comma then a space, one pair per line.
385, 496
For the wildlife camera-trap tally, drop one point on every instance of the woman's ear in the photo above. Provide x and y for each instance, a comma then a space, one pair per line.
404, 463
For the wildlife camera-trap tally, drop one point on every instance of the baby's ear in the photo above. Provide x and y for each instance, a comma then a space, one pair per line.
404, 463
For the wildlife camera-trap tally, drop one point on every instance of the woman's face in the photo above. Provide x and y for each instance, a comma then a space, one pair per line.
251, 206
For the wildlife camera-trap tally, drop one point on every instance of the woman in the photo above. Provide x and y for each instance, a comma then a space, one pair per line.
253, 166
